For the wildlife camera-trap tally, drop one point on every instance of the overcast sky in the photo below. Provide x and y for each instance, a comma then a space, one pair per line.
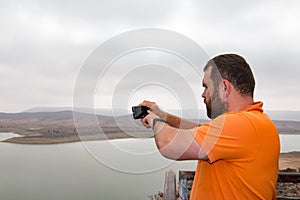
43, 44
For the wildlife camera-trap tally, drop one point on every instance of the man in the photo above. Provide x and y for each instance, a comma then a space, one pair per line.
238, 150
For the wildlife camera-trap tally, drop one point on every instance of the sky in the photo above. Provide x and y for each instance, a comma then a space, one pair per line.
45, 44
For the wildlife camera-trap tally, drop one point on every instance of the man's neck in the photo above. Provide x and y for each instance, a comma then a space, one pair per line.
239, 103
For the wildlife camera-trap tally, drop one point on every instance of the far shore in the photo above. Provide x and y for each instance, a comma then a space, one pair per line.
290, 160
35, 138
59, 140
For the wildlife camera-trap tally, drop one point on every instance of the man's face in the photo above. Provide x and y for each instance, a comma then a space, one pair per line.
215, 105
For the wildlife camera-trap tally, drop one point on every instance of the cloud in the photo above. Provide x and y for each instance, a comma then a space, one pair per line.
44, 43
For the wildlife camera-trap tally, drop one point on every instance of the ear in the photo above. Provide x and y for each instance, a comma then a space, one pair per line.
226, 88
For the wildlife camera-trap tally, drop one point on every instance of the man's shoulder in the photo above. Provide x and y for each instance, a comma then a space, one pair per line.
246, 115
242, 119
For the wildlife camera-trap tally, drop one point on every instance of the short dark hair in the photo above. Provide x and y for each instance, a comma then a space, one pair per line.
235, 69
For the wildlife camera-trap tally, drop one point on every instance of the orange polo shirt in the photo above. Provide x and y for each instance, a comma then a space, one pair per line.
243, 150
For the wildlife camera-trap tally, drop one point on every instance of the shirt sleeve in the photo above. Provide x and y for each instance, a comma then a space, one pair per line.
228, 137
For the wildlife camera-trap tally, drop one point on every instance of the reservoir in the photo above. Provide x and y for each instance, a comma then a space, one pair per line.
75, 171
69, 172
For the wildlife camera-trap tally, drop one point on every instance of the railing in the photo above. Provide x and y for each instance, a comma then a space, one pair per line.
170, 184
288, 177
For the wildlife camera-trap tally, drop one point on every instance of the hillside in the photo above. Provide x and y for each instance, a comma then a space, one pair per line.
288, 127
279, 115
59, 127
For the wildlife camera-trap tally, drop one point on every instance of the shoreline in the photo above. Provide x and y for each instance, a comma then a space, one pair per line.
36, 138
70, 139
290, 160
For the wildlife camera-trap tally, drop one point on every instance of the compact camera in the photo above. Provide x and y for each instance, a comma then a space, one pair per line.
139, 112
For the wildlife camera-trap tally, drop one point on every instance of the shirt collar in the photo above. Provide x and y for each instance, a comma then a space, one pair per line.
255, 106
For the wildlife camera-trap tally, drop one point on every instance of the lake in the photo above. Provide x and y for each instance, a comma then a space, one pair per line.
69, 172
289, 142
84, 170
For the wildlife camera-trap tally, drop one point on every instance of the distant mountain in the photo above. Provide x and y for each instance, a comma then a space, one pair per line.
60, 115
187, 113
288, 127
283, 115
98, 111
47, 109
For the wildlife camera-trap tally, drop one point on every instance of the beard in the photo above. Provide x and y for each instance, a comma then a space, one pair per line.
215, 106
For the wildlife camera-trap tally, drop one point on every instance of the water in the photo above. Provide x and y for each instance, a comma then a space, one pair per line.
70, 172
289, 142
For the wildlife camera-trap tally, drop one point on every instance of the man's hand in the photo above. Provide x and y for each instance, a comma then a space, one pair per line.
155, 109
172, 120
148, 120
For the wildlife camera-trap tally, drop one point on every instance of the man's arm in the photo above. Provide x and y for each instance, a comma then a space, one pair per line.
177, 144
172, 120
180, 123
173, 143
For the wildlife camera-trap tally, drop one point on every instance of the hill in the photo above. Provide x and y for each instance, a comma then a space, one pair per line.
60, 126
57, 127
279, 115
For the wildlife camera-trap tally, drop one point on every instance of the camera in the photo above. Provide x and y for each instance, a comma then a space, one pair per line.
139, 112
